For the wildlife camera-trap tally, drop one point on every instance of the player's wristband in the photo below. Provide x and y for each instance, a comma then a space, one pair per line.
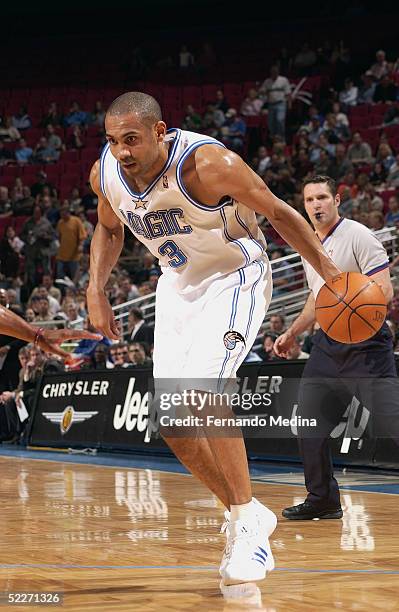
38, 336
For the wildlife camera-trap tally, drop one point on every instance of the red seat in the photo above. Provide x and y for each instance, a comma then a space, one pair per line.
70, 156
252, 122
90, 154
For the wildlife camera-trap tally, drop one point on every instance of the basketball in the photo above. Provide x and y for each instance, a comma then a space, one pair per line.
350, 308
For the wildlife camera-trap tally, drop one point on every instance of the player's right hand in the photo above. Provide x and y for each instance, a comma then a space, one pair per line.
283, 343
101, 315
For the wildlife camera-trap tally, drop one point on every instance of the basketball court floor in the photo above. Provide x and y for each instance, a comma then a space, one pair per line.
120, 533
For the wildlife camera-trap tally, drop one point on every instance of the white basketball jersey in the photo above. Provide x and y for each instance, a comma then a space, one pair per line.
196, 241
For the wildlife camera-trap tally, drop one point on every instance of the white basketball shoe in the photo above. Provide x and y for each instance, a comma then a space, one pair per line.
248, 556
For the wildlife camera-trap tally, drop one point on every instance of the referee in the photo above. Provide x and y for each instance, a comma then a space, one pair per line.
335, 371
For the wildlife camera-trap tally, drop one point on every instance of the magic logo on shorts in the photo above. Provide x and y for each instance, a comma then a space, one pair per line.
231, 338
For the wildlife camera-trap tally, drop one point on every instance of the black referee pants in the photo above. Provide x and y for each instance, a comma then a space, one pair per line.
333, 374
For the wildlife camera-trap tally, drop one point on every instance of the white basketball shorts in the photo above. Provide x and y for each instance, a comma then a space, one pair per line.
207, 334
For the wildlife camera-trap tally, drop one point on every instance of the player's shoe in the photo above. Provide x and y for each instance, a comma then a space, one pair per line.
248, 556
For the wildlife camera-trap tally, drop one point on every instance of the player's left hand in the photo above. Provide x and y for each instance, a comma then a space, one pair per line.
50, 339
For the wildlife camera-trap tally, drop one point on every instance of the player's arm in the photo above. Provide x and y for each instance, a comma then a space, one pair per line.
106, 246
301, 323
47, 339
220, 172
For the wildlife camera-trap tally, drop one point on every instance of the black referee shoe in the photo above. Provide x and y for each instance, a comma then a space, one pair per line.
307, 512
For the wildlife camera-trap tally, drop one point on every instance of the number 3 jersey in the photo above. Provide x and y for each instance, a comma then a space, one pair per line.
195, 241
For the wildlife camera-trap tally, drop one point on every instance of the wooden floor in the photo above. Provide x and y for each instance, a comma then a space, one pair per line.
125, 539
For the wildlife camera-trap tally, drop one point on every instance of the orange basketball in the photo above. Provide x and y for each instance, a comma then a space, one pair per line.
350, 308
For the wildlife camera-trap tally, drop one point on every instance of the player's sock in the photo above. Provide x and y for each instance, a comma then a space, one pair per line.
241, 512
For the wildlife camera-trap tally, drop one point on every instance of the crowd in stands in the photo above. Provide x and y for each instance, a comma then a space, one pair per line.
287, 125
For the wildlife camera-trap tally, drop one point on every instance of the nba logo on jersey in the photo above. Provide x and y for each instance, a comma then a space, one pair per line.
165, 182
231, 338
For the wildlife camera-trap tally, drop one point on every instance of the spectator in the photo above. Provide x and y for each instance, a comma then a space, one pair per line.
323, 163
341, 165
212, 120
98, 115
24, 206
261, 162
8, 132
138, 329
335, 129
192, 120
393, 174
277, 323
385, 157
367, 89
348, 96
379, 174
322, 145
234, 130
89, 198
41, 183
42, 308
137, 356
71, 236
99, 359
121, 358
23, 153
10, 248
88, 227
359, 152
75, 117
277, 92
74, 200
186, 59
44, 153
380, 67
376, 220
315, 130
302, 164
47, 282
375, 202
41, 292
37, 233
53, 140
5, 203
53, 116
295, 351
385, 91
50, 211
143, 273
266, 353
221, 103
252, 104
126, 289
70, 314
75, 139
21, 120
392, 216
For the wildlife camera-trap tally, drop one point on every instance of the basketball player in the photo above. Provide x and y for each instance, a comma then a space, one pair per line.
192, 202
47, 339
335, 371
